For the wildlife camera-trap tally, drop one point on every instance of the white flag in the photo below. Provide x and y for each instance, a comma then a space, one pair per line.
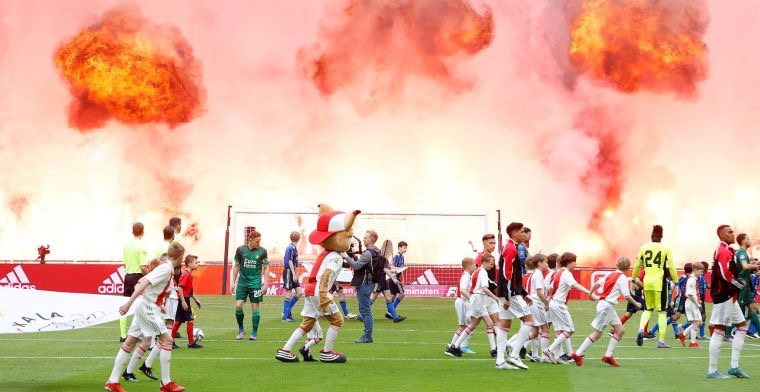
44, 311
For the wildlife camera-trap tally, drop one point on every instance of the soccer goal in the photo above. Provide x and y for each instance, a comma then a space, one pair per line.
433, 238
436, 243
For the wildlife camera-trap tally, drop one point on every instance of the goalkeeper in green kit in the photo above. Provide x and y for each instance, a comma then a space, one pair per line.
249, 277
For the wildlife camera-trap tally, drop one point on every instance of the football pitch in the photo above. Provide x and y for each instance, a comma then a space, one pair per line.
407, 356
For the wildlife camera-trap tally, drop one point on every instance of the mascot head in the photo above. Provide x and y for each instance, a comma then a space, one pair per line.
334, 229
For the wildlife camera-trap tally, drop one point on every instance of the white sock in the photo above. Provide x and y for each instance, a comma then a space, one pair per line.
520, 338
154, 352
121, 359
687, 332
544, 338
332, 334
311, 343
501, 343
491, 338
558, 342
568, 346
534, 347
715, 340
165, 358
455, 337
585, 345
613, 343
464, 335
136, 356
466, 341
736, 346
294, 338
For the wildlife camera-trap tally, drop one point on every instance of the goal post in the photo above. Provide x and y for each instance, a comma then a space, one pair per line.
433, 239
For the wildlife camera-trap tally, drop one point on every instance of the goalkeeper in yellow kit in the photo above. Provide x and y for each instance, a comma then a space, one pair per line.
654, 258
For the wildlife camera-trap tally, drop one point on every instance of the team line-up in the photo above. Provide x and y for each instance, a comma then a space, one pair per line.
533, 289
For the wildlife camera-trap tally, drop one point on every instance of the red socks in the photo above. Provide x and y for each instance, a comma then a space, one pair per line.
190, 337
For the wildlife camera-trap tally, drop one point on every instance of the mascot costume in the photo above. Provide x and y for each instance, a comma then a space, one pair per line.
333, 233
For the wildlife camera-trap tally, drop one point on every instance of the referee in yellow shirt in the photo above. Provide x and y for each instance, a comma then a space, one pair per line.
136, 265
654, 258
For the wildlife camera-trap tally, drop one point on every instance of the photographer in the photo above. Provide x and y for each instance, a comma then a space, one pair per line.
363, 283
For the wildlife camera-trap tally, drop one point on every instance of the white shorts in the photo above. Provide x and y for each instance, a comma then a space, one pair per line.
171, 308
482, 306
311, 308
605, 315
316, 332
693, 313
539, 313
560, 317
726, 313
518, 308
462, 307
147, 320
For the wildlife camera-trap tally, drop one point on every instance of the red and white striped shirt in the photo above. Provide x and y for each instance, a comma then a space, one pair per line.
464, 283
327, 260
615, 285
536, 282
562, 282
479, 281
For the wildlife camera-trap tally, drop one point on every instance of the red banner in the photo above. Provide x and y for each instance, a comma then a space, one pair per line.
108, 278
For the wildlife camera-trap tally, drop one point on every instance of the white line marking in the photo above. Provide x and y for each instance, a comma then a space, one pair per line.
352, 358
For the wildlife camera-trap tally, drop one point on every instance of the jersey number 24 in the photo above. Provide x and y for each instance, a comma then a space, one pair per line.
649, 260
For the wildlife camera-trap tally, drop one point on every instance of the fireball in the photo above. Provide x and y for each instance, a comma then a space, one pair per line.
640, 44
127, 68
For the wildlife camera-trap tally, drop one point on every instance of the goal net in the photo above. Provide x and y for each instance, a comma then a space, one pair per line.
436, 242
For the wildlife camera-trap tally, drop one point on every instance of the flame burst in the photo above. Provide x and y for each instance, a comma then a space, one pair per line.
640, 44
126, 68
391, 40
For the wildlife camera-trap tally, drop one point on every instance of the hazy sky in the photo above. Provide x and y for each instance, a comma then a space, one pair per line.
410, 124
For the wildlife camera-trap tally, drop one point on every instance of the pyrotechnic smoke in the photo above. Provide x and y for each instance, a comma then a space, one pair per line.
381, 45
515, 122
130, 69
641, 44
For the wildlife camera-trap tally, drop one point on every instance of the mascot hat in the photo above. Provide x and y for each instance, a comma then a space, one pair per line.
328, 224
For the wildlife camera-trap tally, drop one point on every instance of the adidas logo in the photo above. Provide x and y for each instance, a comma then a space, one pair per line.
427, 277
114, 283
17, 279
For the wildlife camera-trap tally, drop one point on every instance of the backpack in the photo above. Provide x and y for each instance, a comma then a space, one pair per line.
377, 266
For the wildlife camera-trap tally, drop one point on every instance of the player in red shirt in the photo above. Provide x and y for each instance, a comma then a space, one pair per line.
514, 302
724, 289
185, 292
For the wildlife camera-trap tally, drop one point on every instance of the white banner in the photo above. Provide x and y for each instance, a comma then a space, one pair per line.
44, 311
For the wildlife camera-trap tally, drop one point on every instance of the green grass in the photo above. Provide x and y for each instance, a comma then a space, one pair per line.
405, 356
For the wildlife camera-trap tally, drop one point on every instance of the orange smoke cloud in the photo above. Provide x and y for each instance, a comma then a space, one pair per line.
642, 44
127, 68
18, 204
389, 41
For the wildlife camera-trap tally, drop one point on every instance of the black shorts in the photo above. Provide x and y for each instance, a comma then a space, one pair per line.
130, 281
702, 309
665, 304
681, 304
288, 282
382, 286
633, 309
183, 315
395, 288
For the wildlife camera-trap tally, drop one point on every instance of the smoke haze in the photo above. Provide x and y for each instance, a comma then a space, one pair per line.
511, 123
